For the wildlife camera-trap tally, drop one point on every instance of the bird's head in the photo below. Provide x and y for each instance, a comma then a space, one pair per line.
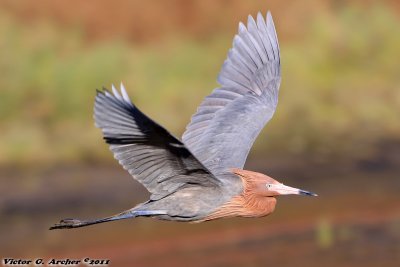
275, 188
266, 186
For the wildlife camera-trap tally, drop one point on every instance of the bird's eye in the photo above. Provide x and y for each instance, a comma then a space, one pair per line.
269, 185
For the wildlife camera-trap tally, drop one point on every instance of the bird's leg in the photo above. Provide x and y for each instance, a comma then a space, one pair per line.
75, 223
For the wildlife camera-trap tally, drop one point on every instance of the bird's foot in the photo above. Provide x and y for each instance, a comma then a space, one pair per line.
67, 223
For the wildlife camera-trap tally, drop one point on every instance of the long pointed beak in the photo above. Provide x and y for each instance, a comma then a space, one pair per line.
287, 190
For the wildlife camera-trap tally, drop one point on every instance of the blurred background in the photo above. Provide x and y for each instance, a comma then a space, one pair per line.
336, 130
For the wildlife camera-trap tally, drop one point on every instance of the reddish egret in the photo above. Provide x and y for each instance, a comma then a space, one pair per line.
201, 178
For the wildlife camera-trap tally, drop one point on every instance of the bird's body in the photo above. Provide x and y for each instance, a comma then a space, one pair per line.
201, 178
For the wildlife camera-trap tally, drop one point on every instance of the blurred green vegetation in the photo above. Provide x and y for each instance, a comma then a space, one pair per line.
339, 95
340, 88
324, 233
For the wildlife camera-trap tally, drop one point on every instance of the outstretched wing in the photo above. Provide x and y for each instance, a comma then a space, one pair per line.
145, 149
228, 121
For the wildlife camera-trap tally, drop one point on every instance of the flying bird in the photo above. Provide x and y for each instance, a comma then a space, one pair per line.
201, 177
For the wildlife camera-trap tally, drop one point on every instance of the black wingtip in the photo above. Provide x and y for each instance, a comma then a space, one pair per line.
98, 92
103, 91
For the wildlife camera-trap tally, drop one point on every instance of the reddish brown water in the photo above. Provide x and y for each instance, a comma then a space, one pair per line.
354, 222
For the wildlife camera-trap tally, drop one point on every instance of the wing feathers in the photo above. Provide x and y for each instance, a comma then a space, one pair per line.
247, 98
146, 150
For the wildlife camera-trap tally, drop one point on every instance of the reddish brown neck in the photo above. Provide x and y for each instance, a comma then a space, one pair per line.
251, 203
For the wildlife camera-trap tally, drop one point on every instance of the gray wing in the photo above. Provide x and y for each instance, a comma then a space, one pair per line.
228, 121
145, 149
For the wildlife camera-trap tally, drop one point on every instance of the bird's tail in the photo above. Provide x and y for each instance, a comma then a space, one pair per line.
75, 223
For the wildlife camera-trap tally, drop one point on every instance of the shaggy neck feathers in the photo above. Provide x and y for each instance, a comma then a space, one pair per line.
251, 202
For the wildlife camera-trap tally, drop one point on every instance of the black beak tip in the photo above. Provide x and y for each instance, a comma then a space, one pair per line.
302, 192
